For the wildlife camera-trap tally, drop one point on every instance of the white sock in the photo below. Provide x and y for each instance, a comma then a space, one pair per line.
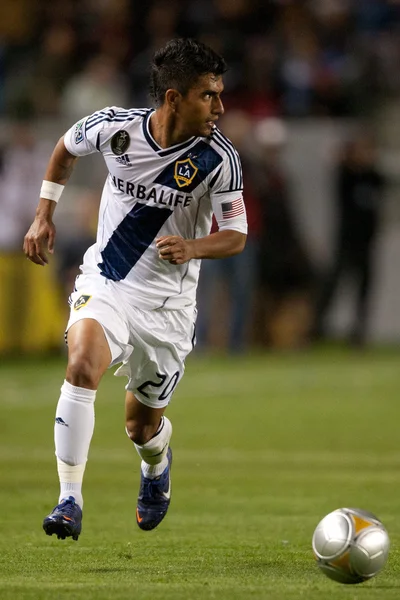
154, 452
153, 471
73, 432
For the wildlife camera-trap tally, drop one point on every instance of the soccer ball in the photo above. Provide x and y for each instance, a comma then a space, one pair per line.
350, 545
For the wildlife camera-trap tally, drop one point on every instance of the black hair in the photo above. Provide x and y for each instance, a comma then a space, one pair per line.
179, 65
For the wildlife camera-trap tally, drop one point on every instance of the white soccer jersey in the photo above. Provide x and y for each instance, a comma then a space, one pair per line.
151, 192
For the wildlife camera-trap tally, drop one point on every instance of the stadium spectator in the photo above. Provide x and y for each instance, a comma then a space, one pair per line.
160, 25
99, 84
286, 273
22, 161
53, 68
360, 187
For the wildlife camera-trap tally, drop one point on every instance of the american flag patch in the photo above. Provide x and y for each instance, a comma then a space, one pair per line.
232, 209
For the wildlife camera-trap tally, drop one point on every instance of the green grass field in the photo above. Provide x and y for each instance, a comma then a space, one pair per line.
264, 447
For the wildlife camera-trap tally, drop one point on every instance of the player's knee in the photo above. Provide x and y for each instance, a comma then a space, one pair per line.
140, 433
81, 372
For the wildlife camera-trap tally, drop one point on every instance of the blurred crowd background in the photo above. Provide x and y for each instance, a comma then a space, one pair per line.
312, 104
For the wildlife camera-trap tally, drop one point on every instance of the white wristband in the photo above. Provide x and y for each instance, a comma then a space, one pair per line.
51, 190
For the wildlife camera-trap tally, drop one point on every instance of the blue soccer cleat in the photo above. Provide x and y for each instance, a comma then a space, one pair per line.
154, 498
65, 520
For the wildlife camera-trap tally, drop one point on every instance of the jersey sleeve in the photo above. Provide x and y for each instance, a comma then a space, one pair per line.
84, 137
227, 195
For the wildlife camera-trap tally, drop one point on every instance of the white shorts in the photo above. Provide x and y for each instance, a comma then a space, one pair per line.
152, 345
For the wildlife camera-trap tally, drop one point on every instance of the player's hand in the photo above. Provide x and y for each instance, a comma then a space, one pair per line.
39, 240
174, 249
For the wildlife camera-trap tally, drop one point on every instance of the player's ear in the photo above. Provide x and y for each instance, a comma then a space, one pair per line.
172, 99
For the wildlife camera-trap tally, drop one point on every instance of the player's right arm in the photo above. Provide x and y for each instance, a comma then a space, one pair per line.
81, 139
41, 234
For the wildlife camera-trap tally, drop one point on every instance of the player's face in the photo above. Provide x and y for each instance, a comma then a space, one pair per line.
202, 105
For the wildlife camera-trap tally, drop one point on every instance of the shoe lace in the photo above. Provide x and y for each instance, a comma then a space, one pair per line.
68, 508
152, 488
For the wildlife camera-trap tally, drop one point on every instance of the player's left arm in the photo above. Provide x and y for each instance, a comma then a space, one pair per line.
220, 244
226, 196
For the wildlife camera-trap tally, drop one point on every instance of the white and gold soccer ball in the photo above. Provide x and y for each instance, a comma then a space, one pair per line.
350, 545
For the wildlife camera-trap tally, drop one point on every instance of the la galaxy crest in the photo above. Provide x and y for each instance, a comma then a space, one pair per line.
81, 302
185, 172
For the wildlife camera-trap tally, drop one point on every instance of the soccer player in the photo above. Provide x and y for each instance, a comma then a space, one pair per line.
170, 169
